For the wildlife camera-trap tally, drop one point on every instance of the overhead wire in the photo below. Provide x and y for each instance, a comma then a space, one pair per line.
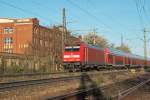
91, 15
45, 6
110, 17
88, 13
146, 14
140, 5
24, 10
139, 9
137, 3
42, 5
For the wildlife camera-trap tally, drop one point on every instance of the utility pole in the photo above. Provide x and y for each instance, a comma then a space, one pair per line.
63, 28
64, 25
94, 36
145, 45
63, 35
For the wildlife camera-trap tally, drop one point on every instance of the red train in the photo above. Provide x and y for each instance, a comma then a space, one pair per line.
85, 57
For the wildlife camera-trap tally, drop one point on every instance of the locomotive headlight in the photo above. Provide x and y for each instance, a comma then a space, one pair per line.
66, 56
76, 56
65, 60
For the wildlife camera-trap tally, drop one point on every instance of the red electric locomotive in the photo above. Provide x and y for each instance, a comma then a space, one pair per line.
83, 57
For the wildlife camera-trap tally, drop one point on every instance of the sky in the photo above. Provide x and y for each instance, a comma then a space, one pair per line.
111, 18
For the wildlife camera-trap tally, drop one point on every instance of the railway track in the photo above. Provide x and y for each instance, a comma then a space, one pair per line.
28, 74
125, 93
96, 92
11, 85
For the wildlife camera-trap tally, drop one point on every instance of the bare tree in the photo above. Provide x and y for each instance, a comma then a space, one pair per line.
124, 48
95, 39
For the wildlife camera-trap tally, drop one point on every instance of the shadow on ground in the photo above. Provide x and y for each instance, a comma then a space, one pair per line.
87, 83
88, 90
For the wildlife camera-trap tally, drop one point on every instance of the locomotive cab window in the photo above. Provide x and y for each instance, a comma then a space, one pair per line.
72, 48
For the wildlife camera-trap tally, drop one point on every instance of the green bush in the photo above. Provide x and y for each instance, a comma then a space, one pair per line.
18, 69
14, 69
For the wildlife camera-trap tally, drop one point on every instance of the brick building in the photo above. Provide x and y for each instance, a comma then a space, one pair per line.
26, 36
24, 42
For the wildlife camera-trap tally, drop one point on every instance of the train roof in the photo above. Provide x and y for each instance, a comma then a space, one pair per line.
94, 46
121, 53
88, 45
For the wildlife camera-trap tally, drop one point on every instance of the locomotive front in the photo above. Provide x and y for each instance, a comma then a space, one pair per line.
72, 57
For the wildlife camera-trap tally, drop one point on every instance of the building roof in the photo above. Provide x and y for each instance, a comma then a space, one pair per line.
18, 20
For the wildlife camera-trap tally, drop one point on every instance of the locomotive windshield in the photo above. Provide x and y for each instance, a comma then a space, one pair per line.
72, 48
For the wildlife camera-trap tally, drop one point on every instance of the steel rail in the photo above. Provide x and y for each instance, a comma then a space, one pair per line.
125, 93
11, 85
27, 74
68, 95
75, 93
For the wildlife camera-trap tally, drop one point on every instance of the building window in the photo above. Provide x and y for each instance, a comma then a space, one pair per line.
8, 50
8, 46
20, 46
41, 42
23, 45
46, 43
8, 40
8, 30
